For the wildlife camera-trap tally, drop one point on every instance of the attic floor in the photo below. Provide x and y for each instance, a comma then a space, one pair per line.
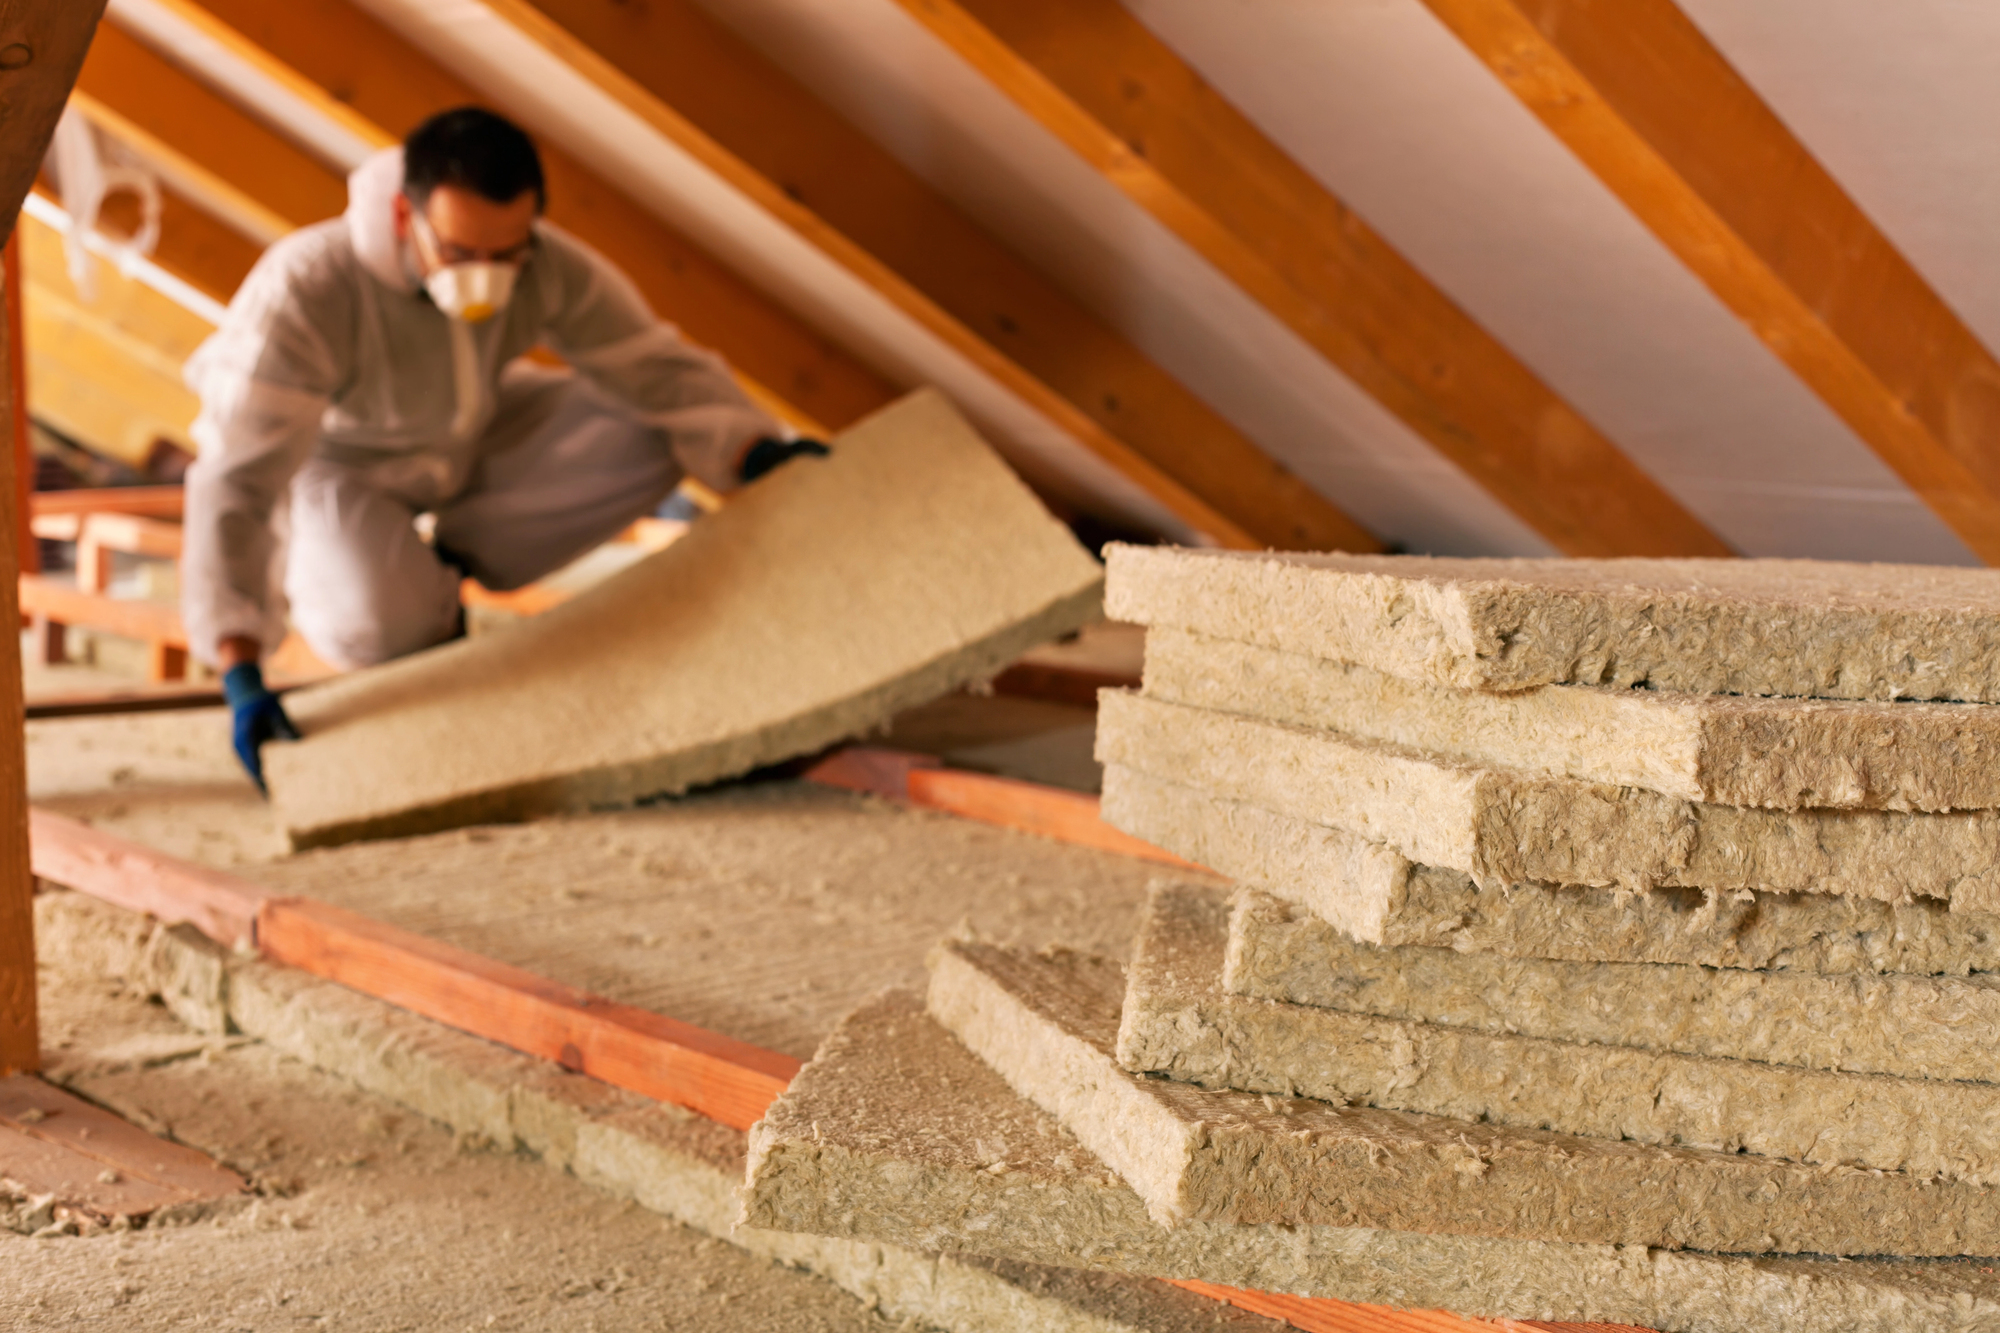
363, 1216
762, 910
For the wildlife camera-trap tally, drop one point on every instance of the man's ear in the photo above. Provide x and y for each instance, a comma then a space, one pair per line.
400, 207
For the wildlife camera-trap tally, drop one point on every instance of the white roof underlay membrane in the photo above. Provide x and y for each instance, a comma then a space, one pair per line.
561, 105
1398, 119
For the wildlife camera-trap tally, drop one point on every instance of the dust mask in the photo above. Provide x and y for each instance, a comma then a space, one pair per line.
473, 291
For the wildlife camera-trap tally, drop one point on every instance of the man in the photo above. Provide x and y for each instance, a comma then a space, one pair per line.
368, 374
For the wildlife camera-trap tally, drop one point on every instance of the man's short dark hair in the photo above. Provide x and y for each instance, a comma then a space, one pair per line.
476, 150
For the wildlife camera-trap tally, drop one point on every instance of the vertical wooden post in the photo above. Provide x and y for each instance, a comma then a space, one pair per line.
17, 376
20, 1043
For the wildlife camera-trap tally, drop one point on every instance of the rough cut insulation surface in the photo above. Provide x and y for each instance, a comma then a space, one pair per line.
667, 1160
820, 601
1179, 1021
895, 1133
1781, 753
1501, 826
1911, 1027
1047, 1024
1376, 896
1791, 627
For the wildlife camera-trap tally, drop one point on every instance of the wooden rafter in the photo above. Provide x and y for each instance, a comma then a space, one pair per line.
229, 162
42, 43
712, 94
1092, 75
107, 372
1650, 106
361, 75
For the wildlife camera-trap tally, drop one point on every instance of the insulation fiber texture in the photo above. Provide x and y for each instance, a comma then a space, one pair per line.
1376, 896
1047, 1024
819, 602
1911, 1027
1780, 753
895, 1133
1502, 825
1805, 628
1179, 1021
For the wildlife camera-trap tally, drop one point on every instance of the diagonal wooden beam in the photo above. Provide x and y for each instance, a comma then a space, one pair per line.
195, 246
709, 92
360, 74
1650, 106
42, 42
1092, 75
106, 372
236, 168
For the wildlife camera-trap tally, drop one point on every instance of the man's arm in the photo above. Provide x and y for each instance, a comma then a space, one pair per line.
599, 323
265, 379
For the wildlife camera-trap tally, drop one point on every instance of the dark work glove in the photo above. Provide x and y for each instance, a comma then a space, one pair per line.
768, 453
257, 716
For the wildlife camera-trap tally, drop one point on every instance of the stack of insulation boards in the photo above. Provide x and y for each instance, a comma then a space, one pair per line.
1611, 941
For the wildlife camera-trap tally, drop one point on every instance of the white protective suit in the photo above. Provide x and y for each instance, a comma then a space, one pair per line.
334, 383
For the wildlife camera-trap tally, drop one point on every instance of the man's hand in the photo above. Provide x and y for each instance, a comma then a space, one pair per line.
769, 453
257, 716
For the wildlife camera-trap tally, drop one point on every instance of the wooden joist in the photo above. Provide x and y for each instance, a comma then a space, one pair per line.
229, 162
95, 1167
714, 95
361, 74
1026, 807
726, 1080
1090, 73
1650, 106
659, 1057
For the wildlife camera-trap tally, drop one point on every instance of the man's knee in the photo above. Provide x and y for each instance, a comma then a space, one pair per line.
365, 627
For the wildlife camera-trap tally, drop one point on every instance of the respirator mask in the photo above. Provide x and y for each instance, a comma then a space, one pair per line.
472, 290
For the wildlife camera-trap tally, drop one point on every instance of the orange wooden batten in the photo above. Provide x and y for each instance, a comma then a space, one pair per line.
67, 852
1319, 1315
1030, 807
647, 1053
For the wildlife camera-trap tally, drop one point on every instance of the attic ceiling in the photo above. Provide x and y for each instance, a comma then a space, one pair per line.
1393, 114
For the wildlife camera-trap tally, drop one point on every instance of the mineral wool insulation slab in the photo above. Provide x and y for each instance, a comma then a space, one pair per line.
1179, 1021
1781, 753
1502, 825
1792, 627
1047, 1024
1374, 895
819, 602
1911, 1027
896, 1133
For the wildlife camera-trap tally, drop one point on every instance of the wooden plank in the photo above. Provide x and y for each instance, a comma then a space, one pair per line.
16, 371
124, 701
133, 619
151, 501
351, 67
1028, 807
91, 383
32, 1107
1095, 77
35, 1166
835, 185
1320, 1315
76, 856
659, 1057
43, 44
1650, 106
19, 1028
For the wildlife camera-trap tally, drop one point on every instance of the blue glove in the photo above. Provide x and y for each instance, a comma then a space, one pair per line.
257, 716
768, 453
